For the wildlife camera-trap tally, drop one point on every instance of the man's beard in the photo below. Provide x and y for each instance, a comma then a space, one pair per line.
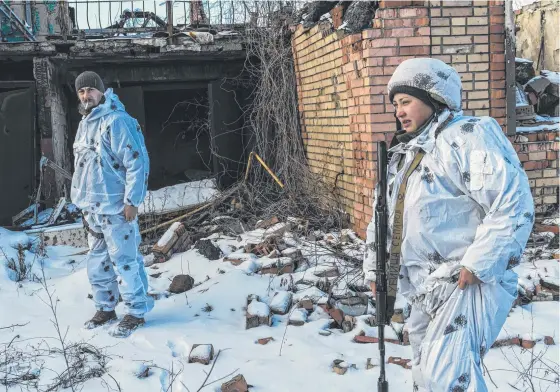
85, 108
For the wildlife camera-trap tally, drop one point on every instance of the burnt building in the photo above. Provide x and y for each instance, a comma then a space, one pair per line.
183, 83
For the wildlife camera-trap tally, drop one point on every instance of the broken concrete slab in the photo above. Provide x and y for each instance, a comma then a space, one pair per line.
537, 85
229, 225
352, 305
281, 302
201, 353
298, 317
180, 284
554, 78
72, 235
177, 197
312, 293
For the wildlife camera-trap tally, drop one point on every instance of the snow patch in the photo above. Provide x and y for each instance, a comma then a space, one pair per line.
257, 308
178, 197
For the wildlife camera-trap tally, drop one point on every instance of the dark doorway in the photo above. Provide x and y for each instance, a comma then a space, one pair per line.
226, 124
17, 147
177, 136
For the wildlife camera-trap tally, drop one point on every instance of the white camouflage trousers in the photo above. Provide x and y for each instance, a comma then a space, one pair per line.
449, 344
115, 244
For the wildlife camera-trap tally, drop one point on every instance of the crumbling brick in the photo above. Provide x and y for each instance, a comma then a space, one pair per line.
264, 341
201, 353
236, 384
405, 363
507, 342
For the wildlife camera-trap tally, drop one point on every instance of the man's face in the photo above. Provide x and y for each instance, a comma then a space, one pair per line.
89, 97
411, 112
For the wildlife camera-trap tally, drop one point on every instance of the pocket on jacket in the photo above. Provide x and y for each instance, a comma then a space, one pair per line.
479, 168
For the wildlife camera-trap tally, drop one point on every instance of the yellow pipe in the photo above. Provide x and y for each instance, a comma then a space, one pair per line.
265, 167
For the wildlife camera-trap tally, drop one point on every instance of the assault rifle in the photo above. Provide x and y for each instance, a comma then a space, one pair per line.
382, 312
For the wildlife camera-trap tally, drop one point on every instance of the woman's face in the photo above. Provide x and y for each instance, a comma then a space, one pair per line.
411, 112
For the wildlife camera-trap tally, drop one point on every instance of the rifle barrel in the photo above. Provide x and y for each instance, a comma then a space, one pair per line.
381, 253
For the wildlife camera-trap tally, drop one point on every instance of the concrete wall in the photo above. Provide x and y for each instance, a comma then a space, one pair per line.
539, 27
42, 16
341, 82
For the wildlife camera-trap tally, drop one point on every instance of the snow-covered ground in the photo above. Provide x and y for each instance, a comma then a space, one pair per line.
213, 312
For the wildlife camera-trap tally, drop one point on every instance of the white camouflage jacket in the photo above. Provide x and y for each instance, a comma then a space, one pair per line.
468, 204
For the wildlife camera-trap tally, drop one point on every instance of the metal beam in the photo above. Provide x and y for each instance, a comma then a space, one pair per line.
511, 121
158, 72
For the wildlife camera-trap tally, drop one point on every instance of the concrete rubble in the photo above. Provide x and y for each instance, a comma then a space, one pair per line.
258, 313
236, 384
201, 353
535, 94
305, 287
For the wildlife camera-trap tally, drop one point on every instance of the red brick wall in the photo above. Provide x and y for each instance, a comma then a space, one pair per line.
539, 154
342, 79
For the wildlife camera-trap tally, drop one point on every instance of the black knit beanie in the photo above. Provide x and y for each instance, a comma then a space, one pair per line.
89, 79
422, 95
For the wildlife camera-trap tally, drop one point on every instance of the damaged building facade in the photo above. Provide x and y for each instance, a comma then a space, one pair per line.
345, 55
173, 79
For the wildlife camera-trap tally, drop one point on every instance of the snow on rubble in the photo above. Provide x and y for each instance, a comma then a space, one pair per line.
281, 307
178, 197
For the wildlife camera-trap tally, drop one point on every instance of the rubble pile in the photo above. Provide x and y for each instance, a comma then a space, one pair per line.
316, 275
35, 217
535, 94
538, 268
